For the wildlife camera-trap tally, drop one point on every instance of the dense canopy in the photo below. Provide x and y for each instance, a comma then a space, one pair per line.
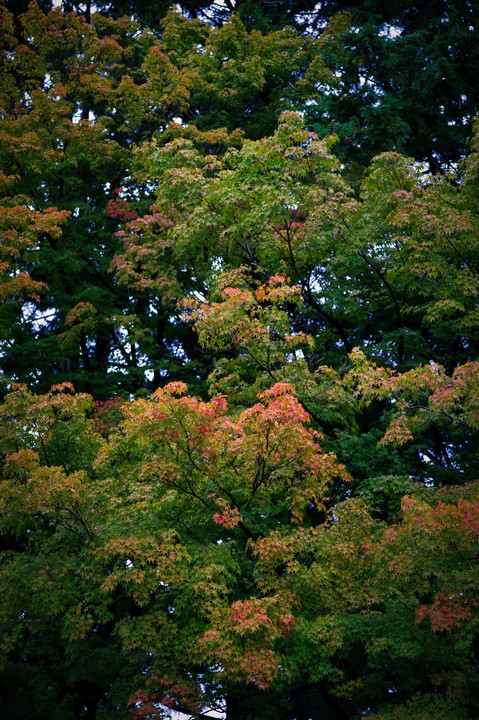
239, 357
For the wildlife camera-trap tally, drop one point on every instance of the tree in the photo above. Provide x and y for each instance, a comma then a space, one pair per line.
51, 90
92, 90
407, 82
195, 550
302, 544
407, 71
394, 271
114, 89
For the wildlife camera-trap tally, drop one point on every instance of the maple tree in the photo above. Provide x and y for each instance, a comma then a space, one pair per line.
239, 417
110, 86
196, 549
393, 271
72, 111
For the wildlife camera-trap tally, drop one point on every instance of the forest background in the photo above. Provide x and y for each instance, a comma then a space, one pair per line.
239, 275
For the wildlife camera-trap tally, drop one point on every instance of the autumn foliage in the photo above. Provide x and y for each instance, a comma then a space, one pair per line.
240, 364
